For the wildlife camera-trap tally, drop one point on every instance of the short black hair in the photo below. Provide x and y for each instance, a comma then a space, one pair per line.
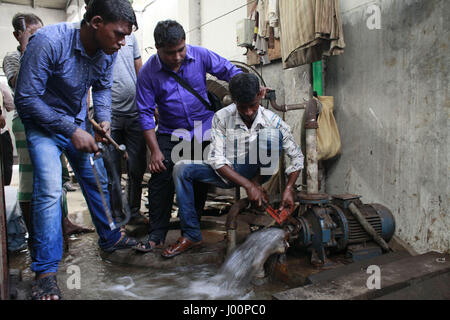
87, 2
168, 33
110, 11
29, 19
244, 87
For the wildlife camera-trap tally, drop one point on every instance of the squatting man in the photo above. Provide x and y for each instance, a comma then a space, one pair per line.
246, 142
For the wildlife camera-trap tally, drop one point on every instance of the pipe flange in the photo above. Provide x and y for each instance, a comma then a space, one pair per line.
313, 198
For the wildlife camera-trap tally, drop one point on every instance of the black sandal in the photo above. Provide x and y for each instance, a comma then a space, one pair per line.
146, 246
125, 242
46, 286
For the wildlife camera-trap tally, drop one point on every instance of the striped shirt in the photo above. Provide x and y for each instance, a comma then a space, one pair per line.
11, 66
231, 140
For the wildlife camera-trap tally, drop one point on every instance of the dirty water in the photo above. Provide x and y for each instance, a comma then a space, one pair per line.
102, 280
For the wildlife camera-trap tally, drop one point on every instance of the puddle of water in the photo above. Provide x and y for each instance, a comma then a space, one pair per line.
102, 280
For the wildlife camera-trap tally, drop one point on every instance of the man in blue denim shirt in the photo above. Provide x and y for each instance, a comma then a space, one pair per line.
61, 62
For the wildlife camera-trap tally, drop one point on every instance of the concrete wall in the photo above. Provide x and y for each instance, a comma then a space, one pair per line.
218, 32
392, 108
147, 20
9, 43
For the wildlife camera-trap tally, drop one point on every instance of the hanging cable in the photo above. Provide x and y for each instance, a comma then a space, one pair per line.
221, 16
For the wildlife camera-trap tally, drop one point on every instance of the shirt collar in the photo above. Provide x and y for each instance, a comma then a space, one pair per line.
78, 45
258, 120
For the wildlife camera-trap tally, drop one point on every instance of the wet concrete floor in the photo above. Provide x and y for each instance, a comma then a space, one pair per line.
84, 275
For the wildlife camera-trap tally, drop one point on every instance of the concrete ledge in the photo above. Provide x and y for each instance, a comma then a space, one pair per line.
394, 276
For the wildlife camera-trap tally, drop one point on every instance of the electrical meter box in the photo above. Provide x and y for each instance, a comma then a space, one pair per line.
244, 31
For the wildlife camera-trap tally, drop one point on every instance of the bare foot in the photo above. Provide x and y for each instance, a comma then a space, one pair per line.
47, 296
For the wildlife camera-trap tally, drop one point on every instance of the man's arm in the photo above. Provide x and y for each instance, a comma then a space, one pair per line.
145, 102
156, 164
101, 96
287, 200
294, 152
136, 55
137, 65
254, 191
220, 67
35, 69
8, 101
218, 161
11, 65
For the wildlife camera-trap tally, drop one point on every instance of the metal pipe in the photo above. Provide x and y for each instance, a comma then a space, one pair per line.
231, 241
231, 223
312, 165
367, 227
289, 107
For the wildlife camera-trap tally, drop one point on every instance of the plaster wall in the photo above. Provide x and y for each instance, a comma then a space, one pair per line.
218, 31
392, 107
9, 43
7, 11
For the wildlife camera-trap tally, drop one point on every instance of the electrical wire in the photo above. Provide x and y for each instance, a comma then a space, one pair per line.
221, 16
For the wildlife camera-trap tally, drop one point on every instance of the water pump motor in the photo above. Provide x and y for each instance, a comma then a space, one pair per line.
325, 224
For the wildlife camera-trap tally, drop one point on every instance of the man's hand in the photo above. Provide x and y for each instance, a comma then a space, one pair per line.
23, 37
2, 121
256, 194
156, 162
106, 129
287, 200
84, 142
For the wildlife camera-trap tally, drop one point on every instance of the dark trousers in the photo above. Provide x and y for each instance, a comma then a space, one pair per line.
127, 131
161, 189
7, 157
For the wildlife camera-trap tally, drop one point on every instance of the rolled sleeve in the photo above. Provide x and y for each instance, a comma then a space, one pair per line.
11, 65
292, 150
8, 101
35, 70
217, 154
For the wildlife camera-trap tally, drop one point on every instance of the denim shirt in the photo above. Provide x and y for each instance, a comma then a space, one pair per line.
54, 78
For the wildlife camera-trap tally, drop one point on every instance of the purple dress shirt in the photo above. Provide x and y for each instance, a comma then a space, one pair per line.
178, 108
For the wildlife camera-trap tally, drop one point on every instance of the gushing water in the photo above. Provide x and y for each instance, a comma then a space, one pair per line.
249, 258
242, 265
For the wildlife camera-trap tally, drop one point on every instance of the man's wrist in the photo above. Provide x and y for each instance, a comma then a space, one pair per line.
289, 188
247, 184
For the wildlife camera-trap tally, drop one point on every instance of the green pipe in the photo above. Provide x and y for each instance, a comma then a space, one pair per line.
317, 77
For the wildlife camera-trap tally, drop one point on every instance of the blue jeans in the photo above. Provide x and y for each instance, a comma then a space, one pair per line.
45, 150
185, 173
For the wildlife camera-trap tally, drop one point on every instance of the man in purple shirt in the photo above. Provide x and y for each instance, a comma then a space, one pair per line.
179, 110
